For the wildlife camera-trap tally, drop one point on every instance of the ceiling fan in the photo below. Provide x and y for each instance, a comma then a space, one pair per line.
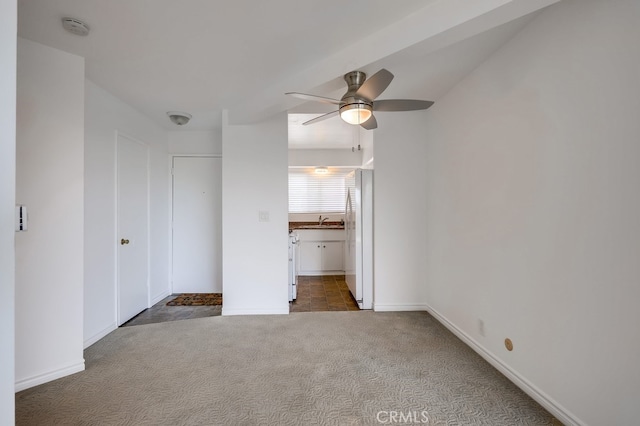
358, 104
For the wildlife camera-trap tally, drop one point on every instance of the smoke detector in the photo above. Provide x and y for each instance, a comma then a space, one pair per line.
75, 26
179, 118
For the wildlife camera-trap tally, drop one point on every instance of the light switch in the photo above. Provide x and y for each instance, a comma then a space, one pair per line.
263, 216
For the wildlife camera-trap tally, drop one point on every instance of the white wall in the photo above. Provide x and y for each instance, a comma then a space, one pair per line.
366, 146
49, 181
343, 157
399, 212
186, 142
254, 253
367, 157
533, 209
324, 157
8, 30
106, 115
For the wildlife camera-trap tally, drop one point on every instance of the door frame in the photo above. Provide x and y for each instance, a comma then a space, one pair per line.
119, 134
171, 196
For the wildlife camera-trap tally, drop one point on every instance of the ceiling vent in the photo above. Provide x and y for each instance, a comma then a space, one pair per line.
75, 26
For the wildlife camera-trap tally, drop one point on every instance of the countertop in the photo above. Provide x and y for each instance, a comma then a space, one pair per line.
315, 225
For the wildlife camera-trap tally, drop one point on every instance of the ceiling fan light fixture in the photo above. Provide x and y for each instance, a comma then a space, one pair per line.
356, 113
356, 106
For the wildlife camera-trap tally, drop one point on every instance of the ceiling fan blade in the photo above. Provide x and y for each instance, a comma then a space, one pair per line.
375, 85
320, 118
315, 98
400, 105
371, 123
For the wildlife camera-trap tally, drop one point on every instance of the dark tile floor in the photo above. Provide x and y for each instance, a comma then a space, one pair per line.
160, 312
325, 293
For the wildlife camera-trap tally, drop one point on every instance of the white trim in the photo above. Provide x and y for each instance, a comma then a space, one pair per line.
170, 225
399, 307
321, 273
116, 264
257, 311
58, 373
161, 296
148, 149
195, 155
561, 413
99, 335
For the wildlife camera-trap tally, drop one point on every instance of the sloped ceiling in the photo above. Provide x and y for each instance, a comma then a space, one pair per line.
203, 57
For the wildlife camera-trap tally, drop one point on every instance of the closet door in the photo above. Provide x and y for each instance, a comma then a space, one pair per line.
133, 227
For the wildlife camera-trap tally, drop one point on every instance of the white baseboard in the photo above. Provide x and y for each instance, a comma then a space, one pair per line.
562, 414
58, 373
93, 339
256, 311
160, 297
319, 273
399, 307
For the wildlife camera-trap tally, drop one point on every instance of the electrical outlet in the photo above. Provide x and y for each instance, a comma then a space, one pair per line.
263, 216
508, 344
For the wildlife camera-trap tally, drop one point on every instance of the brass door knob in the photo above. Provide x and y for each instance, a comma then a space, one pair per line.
123, 241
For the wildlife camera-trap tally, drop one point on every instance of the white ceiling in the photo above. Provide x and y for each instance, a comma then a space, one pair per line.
417, 76
204, 56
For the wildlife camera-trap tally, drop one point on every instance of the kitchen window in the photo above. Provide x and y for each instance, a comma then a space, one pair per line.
310, 192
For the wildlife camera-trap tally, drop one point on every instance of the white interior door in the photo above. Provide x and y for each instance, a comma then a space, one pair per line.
197, 225
133, 227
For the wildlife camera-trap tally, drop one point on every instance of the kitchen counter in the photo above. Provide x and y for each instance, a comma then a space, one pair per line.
315, 225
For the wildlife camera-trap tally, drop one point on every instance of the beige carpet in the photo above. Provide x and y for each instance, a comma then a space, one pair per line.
325, 368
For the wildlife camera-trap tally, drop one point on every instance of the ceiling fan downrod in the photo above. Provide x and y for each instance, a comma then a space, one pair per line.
354, 80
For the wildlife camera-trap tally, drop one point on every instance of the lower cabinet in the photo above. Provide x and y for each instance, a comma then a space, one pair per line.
333, 256
318, 257
310, 256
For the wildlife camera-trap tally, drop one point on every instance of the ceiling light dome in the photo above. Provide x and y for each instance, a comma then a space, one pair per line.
179, 118
355, 113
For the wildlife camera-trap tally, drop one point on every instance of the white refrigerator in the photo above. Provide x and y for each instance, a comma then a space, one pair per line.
359, 236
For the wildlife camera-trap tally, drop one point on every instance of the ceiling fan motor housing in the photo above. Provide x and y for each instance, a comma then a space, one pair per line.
353, 104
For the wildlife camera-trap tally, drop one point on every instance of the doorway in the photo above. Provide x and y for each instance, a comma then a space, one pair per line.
197, 225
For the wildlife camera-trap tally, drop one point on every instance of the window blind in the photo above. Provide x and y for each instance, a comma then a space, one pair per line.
310, 192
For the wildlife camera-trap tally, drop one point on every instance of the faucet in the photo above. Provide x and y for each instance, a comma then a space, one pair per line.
321, 220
